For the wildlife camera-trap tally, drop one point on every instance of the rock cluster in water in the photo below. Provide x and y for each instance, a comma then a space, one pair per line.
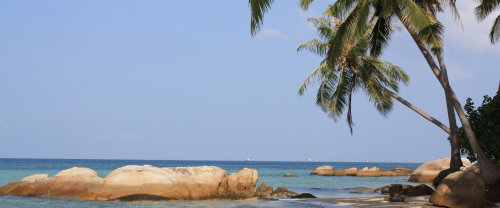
265, 191
365, 172
138, 182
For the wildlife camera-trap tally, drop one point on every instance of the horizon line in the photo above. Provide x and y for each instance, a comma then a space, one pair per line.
122, 159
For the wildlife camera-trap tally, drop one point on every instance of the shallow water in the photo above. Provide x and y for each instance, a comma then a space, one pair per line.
269, 172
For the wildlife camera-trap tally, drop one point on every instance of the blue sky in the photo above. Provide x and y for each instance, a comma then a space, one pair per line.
172, 80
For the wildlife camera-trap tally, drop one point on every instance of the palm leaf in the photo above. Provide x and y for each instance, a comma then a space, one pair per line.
258, 8
495, 30
304, 4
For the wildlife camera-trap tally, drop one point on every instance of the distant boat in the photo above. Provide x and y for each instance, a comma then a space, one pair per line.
309, 160
249, 159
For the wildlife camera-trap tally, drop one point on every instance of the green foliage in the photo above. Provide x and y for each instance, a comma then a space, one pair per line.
353, 70
485, 121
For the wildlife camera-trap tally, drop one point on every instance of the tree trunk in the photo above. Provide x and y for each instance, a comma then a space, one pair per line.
489, 172
409, 105
456, 160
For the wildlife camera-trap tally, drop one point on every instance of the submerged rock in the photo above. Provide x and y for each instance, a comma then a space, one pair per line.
133, 181
303, 196
426, 172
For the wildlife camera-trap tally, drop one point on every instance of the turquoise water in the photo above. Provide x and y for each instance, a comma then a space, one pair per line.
269, 172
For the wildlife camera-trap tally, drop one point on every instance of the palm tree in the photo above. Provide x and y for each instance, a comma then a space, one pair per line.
483, 10
433, 7
355, 70
421, 24
426, 32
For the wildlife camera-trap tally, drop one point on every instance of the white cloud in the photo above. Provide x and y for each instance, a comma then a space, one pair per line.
270, 33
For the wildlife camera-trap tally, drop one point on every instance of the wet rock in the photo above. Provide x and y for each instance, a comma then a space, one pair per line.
303, 196
141, 197
287, 175
283, 192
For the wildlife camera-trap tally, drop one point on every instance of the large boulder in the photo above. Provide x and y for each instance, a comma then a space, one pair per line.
426, 172
131, 182
325, 170
462, 189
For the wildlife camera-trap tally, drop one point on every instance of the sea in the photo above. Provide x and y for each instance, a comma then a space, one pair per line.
270, 172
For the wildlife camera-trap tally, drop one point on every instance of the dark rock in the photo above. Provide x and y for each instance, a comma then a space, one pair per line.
493, 193
385, 189
420, 190
303, 196
397, 193
142, 197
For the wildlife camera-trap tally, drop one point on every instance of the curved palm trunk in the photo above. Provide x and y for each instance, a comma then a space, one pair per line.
408, 104
456, 160
489, 172
417, 110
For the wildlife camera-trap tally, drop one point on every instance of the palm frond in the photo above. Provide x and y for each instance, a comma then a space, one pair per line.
341, 8
258, 9
346, 33
317, 74
495, 30
323, 27
421, 22
304, 4
485, 8
315, 46
380, 35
